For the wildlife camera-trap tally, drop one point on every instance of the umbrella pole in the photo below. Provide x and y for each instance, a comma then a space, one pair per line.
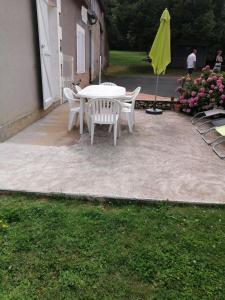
156, 91
154, 110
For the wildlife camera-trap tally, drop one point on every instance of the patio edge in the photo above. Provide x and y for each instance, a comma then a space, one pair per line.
113, 199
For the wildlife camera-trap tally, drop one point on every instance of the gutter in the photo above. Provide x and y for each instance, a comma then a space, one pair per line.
101, 5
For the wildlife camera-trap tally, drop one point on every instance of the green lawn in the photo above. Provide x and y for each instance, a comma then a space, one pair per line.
132, 63
126, 58
66, 249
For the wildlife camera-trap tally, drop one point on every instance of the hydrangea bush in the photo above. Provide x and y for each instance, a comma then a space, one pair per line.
203, 93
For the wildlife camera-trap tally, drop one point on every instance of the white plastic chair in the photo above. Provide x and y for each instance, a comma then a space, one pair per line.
108, 83
74, 110
129, 95
128, 108
104, 111
78, 88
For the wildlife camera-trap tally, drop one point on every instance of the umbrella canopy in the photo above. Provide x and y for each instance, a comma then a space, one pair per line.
160, 52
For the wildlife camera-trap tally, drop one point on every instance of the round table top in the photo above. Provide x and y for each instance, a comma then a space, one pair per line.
102, 91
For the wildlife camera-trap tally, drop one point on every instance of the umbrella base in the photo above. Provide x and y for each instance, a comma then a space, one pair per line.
153, 111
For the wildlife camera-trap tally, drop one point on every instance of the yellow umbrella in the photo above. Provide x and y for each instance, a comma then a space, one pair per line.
160, 52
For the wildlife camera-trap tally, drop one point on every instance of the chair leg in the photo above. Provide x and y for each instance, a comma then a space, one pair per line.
92, 132
86, 117
115, 133
129, 119
133, 119
89, 124
71, 120
110, 127
119, 128
75, 118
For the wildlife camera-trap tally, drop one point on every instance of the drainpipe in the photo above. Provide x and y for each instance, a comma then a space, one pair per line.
92, 20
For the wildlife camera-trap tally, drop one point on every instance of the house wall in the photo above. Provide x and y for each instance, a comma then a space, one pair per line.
20, 84
70, 17
21, 99
96, 42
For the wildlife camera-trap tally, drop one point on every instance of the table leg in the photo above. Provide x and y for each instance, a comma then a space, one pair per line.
82, 115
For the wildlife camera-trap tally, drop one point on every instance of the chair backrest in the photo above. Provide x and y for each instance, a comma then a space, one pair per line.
134, 95
131, 97
70, 96
108, 83
104, 110
78, 88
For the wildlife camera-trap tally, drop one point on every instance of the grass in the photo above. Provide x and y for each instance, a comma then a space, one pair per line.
65, 249
130, 63
127, 58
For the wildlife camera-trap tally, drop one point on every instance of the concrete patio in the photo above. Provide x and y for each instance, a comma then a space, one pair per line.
164, 159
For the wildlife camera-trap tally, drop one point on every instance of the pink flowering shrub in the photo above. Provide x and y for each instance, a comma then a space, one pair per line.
202, 93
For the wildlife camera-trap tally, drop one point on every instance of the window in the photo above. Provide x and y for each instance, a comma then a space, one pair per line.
80, 49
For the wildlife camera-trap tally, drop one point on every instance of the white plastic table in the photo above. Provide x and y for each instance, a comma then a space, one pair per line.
97, 91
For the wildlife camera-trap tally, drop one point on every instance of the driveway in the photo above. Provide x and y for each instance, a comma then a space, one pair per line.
167, 84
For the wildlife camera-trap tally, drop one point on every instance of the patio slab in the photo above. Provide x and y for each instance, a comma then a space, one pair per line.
51, 130
164, 159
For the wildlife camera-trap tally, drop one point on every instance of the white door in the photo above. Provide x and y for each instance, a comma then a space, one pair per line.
47, 13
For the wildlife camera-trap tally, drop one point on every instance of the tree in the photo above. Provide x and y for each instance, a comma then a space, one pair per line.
132, 25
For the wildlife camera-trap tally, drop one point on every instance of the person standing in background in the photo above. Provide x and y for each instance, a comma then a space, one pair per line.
191, 62
219, 60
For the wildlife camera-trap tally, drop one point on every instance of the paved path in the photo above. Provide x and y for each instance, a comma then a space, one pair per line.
164, 159
167, 84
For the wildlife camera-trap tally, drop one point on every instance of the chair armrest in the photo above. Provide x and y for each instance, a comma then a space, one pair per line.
126, 98
124, 104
